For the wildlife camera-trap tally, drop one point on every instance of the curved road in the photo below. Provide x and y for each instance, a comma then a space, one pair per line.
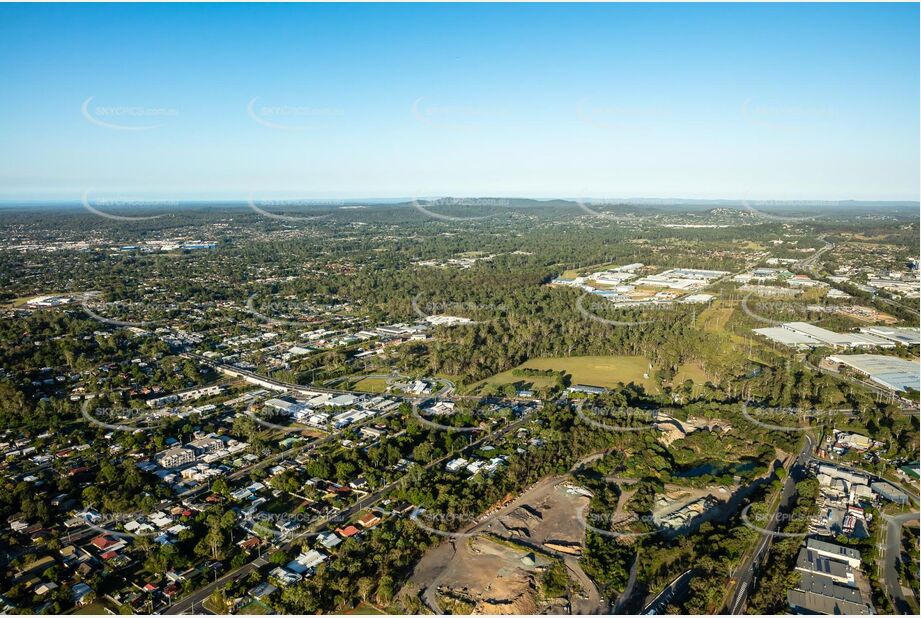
892, 548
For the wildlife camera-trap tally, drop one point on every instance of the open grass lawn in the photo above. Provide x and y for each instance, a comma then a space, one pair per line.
604, 371
96, 607
690, 371
371, 385
714, 317
283, 504
255, 608
507, 377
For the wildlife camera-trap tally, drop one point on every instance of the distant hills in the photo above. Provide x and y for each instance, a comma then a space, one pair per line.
636, 205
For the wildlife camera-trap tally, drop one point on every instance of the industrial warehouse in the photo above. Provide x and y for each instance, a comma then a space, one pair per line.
802, 335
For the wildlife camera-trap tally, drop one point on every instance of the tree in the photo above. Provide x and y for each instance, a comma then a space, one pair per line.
365, 585
384, 595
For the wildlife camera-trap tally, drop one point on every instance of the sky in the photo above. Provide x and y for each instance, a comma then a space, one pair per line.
230, 101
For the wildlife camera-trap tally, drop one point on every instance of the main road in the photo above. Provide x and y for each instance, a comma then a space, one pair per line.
744, 575
892, 548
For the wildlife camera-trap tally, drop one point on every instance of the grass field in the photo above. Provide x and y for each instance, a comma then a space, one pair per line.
255, 608
507, 377
714, 318
605, 371
371, 385
94, 608
692, 372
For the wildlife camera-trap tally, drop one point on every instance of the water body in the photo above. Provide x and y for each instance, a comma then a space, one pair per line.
717, 469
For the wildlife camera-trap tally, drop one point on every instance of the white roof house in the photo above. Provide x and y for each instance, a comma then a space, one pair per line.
456, 464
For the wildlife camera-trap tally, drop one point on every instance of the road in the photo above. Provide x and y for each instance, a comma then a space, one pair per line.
678, 587
291, 452
892, 548
279, 385
809, 263
744, 575
624, 597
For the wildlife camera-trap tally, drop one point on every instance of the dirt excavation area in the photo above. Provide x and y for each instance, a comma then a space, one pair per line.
548, 517
490, 577
496, 565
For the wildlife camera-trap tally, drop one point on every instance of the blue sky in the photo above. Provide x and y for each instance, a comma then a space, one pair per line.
812, 101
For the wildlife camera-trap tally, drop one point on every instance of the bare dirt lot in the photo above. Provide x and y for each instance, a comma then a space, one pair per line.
494, 565
549, 514
493, 577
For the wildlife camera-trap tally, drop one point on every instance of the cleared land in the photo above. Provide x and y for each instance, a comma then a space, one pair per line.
497, 571
690, 371
509, 377
371, 385
605, 371
714, 317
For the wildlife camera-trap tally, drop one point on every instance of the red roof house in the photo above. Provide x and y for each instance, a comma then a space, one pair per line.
102, 542
348, 531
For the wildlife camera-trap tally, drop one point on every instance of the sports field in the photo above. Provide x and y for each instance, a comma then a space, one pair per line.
371, 385
606, 371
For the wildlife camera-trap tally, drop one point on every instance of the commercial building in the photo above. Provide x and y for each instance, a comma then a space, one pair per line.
811, 562
830, 581
838, 340
837, 552
816, 594
206, 445
897, 334
770, 291
682, 278
802, 335
889, 492
896, 374
788, 337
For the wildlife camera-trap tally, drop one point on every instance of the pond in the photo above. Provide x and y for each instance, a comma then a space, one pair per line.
717, 469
